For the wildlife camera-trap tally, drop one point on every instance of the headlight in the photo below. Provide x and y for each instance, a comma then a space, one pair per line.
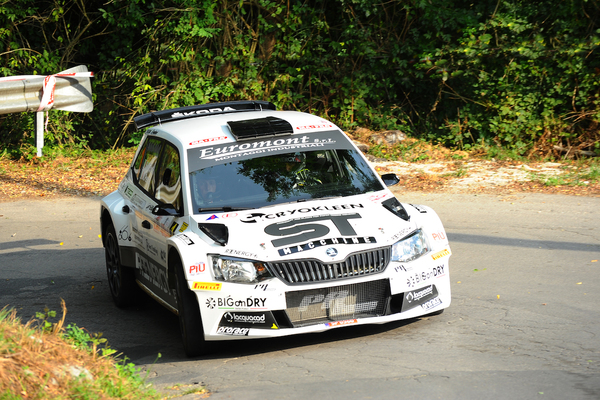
410, 248
230, 269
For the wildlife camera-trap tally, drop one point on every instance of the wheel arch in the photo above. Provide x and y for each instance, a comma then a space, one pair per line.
105, 221
172, 255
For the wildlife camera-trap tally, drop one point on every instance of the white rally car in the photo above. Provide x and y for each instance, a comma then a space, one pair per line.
249, 222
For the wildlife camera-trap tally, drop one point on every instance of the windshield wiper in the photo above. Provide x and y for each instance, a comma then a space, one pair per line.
225, 209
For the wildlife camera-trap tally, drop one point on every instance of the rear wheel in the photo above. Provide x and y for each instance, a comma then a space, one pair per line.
121, 280
190, 322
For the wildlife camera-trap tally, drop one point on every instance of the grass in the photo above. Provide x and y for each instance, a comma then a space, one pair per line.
579, 174
41, 360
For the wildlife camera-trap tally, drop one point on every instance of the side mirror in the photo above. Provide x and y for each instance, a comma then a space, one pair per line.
166, 210
390, 179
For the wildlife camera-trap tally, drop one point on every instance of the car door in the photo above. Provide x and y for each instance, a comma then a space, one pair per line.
157, 178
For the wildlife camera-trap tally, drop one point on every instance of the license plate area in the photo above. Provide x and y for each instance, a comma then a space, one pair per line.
336, 303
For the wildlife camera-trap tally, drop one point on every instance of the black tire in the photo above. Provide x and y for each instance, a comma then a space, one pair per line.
121, 280
190, 322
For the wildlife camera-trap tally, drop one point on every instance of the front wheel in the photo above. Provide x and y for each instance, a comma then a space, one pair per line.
190, 322
121, 280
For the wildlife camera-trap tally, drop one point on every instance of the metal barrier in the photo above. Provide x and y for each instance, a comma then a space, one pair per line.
69, 90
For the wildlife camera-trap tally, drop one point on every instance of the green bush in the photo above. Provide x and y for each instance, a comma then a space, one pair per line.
516, 75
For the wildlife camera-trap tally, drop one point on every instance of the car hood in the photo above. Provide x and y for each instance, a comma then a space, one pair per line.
327, 230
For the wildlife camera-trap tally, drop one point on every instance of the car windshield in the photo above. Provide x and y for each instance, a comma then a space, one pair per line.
281, 178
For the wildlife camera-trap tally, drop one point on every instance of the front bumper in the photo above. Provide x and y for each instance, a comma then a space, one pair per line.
273, 308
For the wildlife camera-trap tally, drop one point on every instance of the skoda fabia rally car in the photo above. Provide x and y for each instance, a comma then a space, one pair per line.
248, 222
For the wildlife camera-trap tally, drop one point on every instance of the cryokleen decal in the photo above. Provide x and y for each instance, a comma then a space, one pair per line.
261, 217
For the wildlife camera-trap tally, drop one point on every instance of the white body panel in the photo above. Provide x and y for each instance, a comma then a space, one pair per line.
343, 226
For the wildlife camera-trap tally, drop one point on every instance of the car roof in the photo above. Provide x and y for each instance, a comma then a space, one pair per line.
205, 130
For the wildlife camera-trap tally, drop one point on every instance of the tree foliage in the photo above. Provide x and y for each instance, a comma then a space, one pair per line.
517, 74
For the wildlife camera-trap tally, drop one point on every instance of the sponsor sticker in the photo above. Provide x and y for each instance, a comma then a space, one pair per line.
231, 303
377, 197
341, 323
302, 229
417, 278
241, 253
331, 252
150, 273
197, 268
205, 156
229, 215
262, 320
403, 233
419, 209
212, 286
184, 226
185, 239
431, 303
438, 236
173, 227
228, 330
208, 140
415, 298
310, 127
441, 254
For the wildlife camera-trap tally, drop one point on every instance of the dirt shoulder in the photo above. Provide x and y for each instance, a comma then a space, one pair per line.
90, 177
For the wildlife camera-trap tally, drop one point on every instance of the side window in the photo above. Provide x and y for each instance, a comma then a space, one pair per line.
168, 188
148, 159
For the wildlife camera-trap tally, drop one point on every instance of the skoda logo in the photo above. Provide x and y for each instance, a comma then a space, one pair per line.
331, 252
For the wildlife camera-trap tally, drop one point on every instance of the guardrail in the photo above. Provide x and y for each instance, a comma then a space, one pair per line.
69, 90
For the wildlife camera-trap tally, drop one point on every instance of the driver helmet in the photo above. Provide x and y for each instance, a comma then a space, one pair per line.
294, 162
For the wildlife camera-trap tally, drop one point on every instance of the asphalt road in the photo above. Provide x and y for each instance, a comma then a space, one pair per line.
524, 321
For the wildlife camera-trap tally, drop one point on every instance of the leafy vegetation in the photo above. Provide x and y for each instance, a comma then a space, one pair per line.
498, 76
42, 359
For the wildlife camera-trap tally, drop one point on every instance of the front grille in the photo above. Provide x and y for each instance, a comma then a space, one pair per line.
338, 303
309, 271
